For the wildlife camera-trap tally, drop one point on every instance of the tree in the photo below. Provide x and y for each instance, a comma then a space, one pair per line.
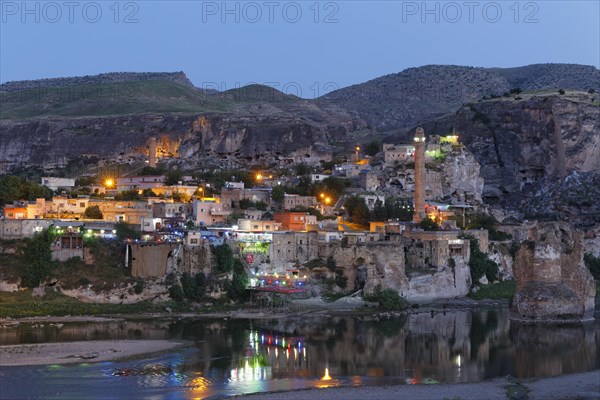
278, 194
372, 148
180, 197
224, 258
93, 212
379, 211
38, 260
428, 225
516, 90
126, 231
479, 263
173, 177
237, 289
148, 193
357, 209
149, 171
303, 169
127, 195
16, 188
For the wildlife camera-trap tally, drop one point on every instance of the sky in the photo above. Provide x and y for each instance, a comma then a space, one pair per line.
306, 48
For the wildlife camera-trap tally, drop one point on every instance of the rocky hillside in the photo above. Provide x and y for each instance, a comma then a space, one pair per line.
539, 153
101, 79
416, 94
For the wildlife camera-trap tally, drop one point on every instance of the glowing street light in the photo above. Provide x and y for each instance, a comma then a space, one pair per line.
259, 177
327, 200
109, 183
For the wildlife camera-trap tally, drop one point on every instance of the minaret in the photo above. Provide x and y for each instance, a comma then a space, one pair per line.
419, 214
152, 152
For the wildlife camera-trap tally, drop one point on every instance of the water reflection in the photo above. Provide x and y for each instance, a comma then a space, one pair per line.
234, 357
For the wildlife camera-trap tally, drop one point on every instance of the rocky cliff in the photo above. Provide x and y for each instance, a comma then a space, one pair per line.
553, 283
533, 147
41, 142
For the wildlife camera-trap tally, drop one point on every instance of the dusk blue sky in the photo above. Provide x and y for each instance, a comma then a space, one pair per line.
348, 42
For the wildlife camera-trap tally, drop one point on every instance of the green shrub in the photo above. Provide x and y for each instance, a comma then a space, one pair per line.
190, 288
388, 299
176, 293
138, 288
480, 264
93, 212
38, 260
224, 256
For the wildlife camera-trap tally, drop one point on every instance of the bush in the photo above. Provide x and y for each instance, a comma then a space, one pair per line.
138, 288
126, 231
428, 225
388, 299
561, 91
372, 148
480, 264
224, 256
38, 260
236, 290
176, 293
191, 290
93, 212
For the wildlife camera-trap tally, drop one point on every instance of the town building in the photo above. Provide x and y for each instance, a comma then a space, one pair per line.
398, 153
291, 201
246, 225
55, 183
295, 221
139, 182
209, 212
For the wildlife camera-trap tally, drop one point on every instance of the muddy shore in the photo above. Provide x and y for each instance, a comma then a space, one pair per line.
77, 352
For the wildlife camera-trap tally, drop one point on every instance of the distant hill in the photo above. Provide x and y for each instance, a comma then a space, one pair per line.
407, 98
112, 77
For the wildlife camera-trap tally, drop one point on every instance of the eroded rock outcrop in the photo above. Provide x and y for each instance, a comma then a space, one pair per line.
553, 284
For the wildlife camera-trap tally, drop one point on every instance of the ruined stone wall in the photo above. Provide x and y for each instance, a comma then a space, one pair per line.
150, 260
553, 284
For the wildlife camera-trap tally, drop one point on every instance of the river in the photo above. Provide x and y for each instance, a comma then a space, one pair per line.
231, 357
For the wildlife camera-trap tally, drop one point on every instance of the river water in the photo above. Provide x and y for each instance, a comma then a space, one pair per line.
230, 357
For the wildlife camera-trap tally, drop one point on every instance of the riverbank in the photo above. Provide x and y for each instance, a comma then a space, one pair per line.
583, 386
77, 352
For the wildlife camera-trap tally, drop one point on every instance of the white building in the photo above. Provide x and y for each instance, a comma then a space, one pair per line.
55, 183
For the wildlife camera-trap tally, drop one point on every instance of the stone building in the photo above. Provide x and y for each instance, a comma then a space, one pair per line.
292, 201
22, 228
398, 153
289, 248
368, 180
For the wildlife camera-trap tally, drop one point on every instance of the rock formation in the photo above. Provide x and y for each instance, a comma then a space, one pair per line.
553, 284
539, 154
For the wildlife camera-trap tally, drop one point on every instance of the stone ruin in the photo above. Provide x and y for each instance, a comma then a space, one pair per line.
553, 283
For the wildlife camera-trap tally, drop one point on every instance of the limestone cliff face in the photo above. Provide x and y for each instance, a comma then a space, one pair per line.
461, 178
526, 145
47, 141
255, 138
553, 284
